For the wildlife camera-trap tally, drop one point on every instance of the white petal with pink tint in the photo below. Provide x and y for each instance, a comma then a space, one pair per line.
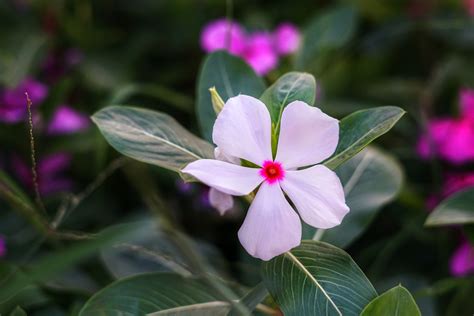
220, 201
243, 129
317, 194
307, 136
222, 156
271, 226
224, 176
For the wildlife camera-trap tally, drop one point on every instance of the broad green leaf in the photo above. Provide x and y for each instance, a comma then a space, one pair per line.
327, 31
360, 128
455, 210
317, 278
156, 294
288, 88
231, 76
371, 180
215, 308
151, 137
151, 249
397, 302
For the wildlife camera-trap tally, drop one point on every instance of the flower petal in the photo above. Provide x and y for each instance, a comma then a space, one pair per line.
222, 156
243, 129
317, 194
224, 176
307, 136
271, 226
220, 201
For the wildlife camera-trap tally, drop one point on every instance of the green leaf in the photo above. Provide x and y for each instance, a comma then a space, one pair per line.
151, 137
328, 31
288, 88
151, 249
396, 301
156, 294
360, 128
231, 76
458, 209
204, 309
371, 179
317, 279
18, 311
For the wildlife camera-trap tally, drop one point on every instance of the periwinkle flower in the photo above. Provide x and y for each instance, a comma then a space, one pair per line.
13, 106
451, 139
261, 50
67, 120
222, 34
462, 261
307, 137
51, 173
286, 38
260, 53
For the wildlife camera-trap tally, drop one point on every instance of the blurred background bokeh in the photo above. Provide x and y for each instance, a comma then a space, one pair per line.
75, 57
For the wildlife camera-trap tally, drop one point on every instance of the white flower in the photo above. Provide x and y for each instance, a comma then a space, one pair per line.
307, 137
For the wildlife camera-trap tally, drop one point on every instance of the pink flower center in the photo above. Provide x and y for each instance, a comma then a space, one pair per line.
272, 171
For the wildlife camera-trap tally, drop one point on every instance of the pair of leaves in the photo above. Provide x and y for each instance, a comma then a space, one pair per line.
158, 139
455, 210
313, 279
317, 278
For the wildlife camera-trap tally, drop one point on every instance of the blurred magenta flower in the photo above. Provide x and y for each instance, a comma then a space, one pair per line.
261, 50
13, 107
220, 34
469, 7
453, 183
260, 53
50, 169
456, 182
67, 120
451, 139
271, 226
287, 38
3, 247
462, 261
58, 63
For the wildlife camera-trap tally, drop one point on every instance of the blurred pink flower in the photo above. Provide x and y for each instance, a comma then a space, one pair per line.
13, 107
462, 261
456, 182
260, 50
219, 34
466, 101
451, 138
58, 63
469, 6
286, 38
50, 169
3, 247
243, 129
67, 120
260, 53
